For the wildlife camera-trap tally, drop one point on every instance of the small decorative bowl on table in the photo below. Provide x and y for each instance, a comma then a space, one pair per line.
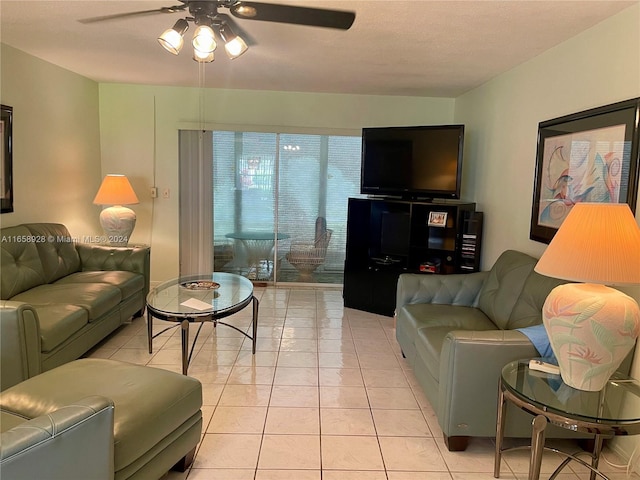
201, 285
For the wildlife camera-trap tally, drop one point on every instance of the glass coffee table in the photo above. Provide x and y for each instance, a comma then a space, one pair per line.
198, 299
608, 412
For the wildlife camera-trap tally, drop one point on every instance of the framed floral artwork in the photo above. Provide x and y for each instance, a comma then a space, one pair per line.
589, 156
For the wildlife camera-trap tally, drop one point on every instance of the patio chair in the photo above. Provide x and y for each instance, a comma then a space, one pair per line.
307, 256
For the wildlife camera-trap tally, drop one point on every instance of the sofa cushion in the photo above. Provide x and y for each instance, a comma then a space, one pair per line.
129, 283
503, 286
428, 347
9, 420
433, 322
96, 298
528, 309
150, 403
58, 253
19, 262
420, 315
58, 322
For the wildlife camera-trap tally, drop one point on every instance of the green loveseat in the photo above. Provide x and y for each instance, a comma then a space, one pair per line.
458, 331
59, 298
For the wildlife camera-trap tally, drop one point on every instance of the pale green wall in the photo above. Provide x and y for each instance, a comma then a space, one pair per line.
598, 67
56, 141
128, 146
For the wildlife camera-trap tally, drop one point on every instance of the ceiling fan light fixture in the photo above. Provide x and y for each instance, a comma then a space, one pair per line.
172, 39
235, 48
203, 57
203, 39
245, 11
234, 44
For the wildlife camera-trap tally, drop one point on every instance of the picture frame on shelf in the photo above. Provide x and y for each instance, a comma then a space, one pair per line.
589, 156
6, 159
437, 219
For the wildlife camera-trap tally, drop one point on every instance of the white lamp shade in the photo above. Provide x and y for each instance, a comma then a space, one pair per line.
596, 243
115, 190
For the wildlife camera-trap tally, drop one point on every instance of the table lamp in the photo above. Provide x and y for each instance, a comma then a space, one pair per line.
117, 221
591, 326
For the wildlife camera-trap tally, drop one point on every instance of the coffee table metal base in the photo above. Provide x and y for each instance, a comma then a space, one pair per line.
184, 322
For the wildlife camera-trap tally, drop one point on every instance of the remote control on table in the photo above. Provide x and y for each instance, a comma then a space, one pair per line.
541, 366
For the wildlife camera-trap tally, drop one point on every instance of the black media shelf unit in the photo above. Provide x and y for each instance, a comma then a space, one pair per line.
388, 237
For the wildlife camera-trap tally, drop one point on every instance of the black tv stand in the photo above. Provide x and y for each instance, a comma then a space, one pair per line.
387, 237
386, 260
413, 198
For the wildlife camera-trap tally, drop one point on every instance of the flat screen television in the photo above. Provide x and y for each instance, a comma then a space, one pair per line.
412, 162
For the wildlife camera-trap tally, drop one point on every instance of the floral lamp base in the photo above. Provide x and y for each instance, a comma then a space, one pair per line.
591, 328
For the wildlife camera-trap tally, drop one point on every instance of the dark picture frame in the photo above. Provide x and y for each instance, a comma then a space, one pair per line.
589, 156
6, 159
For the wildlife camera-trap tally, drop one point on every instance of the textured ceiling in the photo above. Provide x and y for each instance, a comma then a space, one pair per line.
416, 48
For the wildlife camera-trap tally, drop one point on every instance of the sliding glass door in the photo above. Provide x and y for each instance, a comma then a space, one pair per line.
317, 174
278, 203
244, 200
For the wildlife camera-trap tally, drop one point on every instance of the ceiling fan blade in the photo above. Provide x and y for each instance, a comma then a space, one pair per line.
315, 17
117, 16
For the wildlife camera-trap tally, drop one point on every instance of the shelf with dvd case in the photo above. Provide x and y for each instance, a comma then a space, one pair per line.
387, 237
471, 242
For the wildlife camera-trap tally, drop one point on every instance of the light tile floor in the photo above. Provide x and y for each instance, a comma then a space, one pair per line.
327, 396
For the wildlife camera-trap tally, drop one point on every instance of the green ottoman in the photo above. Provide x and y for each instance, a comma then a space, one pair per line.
157, 417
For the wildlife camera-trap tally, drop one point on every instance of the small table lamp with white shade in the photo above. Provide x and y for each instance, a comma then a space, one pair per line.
592, 327
117, 220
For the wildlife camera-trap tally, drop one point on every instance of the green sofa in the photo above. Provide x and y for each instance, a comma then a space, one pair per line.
458, 331
59, 298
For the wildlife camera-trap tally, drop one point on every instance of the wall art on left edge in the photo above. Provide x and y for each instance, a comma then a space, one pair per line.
6, 159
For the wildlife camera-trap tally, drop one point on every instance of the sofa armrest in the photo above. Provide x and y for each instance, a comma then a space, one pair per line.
75, 441
458, 289
20, 343
468, 392
102, 257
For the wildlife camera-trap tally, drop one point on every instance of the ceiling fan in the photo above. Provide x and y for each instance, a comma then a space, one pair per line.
205, 15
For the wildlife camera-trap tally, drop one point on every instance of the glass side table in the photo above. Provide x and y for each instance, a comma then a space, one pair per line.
611, 411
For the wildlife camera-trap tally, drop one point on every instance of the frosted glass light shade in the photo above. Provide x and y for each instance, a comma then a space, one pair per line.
203, 57
203, 39
235, 47
172, 39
